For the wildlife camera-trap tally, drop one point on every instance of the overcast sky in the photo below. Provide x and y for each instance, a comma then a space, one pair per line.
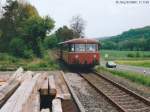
103, 17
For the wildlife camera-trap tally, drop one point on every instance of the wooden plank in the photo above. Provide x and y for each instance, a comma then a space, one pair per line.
61, 87
40, 78
36, 102
4, 78
44, 87
21, 100
5, 93
80, 106
2, 83
10, 86
56, 105
52, 86
45, 110
27, 76
15, 76
11, 104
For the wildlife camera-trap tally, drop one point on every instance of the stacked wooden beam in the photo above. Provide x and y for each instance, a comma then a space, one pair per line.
36, 102
45, 110
22, 92
3, 79
52, 86
61, 87
56, 105
23, 98
10, 86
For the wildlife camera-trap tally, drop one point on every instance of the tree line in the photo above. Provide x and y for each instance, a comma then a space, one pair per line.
24, 33
134, 39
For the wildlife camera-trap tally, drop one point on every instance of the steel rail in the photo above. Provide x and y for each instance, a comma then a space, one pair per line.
122, 88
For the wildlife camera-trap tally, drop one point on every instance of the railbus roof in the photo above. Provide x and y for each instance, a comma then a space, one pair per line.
80, 41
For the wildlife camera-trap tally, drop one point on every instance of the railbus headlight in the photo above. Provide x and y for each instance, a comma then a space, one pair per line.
94, 56
76, 56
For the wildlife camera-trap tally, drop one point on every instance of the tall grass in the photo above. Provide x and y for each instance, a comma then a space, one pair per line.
116, 54
8, 62
135, 77
141, 63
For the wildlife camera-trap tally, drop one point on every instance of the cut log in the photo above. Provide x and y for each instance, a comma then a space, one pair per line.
61, 87
10, 86
52, 86
56, 105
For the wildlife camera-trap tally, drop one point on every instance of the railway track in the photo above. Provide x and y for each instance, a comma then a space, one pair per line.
121, 97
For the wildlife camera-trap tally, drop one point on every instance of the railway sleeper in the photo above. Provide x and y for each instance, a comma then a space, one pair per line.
113, 93
127, 102
119, 96
127, 99
145, 109
134, 106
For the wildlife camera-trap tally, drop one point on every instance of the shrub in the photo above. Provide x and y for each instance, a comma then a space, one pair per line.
18, 48
138, 54
130, 55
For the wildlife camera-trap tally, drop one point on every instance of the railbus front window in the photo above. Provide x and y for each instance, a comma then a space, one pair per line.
84, 48
91, 47
72, 48
79, 47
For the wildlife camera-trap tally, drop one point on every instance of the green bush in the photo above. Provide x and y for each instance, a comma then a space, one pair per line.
131, 55
138, 54
19, 49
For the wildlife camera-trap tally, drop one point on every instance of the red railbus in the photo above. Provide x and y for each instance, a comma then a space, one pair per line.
80, 52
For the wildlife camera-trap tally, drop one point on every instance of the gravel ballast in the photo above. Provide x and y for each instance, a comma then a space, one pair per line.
91, 100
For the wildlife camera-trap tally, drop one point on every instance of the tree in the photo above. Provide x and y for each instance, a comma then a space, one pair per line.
34, 32
78, 26
7, 24
24, 21
50, 41
64, 33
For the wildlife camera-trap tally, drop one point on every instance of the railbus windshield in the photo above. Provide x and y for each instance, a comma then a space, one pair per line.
84, 47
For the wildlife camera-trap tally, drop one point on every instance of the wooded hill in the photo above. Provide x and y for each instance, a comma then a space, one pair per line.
134, 39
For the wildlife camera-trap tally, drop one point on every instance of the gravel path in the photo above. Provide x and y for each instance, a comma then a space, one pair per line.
91, 100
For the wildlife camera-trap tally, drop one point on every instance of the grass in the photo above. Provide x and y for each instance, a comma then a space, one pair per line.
134, 77
133, 58
48, 62
125, 55
140, 63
